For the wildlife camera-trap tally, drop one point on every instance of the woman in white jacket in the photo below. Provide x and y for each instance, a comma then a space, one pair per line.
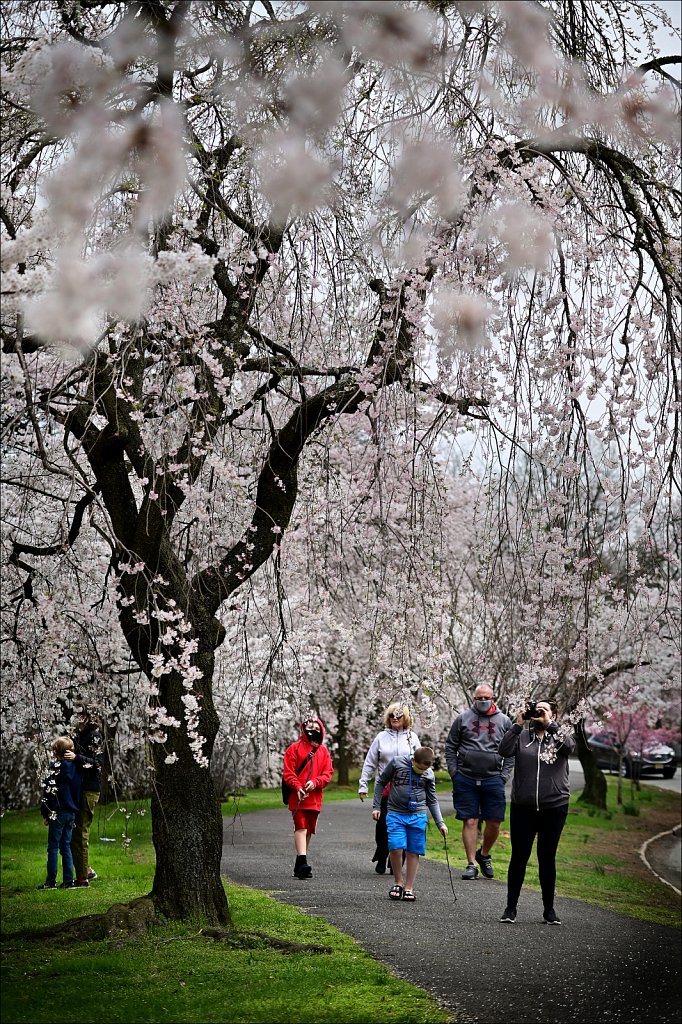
395, 739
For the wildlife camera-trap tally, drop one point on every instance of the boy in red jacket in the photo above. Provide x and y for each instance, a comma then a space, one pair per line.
307, 770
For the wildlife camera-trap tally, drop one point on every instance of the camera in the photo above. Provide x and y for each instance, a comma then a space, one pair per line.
531, 711
412, 805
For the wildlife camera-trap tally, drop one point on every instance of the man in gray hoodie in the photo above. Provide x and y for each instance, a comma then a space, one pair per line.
478, 774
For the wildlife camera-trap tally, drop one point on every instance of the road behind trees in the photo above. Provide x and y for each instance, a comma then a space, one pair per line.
597, 966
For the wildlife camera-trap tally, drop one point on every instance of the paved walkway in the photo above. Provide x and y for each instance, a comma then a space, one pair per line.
663, 855
599, 966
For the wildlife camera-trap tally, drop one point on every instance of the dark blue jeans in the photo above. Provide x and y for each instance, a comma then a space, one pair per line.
59, 841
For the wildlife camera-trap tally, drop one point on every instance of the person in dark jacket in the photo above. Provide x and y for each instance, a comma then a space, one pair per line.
307, 770
88, 755
59, 805
539, 801
478, 773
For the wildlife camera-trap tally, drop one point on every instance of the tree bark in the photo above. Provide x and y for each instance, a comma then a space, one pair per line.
187, 825
343, 766
187, 829
594, 789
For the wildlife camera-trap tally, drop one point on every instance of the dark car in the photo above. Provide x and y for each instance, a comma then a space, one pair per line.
654, 759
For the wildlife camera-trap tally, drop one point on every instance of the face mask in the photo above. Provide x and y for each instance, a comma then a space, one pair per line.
314, 735
483, 705
420, 768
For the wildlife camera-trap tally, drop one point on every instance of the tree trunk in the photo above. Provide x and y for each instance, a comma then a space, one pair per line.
594, 789
187, 829
343, 766
342, 760
187, 826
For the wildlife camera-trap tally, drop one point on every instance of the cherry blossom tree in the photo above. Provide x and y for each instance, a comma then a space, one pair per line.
549, 616
634, 715
236, 233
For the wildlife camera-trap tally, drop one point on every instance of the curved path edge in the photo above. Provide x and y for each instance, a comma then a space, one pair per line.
644, 850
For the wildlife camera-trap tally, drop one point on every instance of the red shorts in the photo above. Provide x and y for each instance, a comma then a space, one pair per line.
306, 820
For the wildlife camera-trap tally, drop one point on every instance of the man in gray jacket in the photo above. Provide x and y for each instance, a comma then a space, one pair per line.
478, 776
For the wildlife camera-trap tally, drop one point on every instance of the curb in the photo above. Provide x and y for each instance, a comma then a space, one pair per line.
642, 853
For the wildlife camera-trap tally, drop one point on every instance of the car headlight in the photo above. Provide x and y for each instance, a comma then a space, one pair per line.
635, 756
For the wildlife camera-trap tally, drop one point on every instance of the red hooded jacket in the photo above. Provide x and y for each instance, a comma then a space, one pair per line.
318, 769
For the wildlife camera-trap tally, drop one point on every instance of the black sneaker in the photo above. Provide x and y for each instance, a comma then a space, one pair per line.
92, 875
485, 864
67, 885
550, 916
47, 885
471, 872
509, 916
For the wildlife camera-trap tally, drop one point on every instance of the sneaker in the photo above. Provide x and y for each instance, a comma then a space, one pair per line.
67, 885
471, 872
485, 863
81, 883
509, 915
550, 916
92, 875
47, 885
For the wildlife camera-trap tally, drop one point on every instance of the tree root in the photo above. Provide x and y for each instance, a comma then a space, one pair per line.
259, 940
124, 922
121, 921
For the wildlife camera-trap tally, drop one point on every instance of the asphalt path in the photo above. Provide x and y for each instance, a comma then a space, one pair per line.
598, 966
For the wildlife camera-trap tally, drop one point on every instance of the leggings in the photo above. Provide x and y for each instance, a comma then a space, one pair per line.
380, 833
525, 823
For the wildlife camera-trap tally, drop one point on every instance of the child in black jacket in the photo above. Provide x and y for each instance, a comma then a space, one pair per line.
59, 805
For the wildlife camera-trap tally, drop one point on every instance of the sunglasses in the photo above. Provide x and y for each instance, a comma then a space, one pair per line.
401, 715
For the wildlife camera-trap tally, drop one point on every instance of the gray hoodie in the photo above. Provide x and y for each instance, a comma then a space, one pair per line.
540, 766
422, 791
472, 746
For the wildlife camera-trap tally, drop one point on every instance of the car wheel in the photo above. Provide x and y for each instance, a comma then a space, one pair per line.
669, 772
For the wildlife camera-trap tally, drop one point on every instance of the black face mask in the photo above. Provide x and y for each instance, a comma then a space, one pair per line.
314, 735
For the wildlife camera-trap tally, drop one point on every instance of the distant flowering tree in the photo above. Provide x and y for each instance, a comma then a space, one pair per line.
638, 716
236, 236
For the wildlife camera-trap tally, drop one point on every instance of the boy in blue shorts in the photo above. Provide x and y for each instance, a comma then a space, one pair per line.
413, 789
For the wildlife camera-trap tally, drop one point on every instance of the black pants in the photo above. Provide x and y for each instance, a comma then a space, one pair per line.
525, 823
381, 834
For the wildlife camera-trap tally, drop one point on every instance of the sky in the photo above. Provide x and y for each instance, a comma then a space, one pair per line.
666, 46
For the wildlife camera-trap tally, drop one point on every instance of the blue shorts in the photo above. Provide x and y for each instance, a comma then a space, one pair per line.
479, 798
406, 832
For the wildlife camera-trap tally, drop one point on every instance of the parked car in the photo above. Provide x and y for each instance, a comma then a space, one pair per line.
655, 758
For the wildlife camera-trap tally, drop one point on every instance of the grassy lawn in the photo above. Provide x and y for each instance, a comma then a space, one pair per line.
598, 859
174, 974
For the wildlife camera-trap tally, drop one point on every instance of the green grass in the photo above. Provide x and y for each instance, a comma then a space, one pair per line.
596, 859
173, 974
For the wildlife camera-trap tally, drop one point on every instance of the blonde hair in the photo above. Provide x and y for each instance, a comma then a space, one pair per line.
396, 706
61, 745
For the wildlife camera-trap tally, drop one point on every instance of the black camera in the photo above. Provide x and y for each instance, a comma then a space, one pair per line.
532, 711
